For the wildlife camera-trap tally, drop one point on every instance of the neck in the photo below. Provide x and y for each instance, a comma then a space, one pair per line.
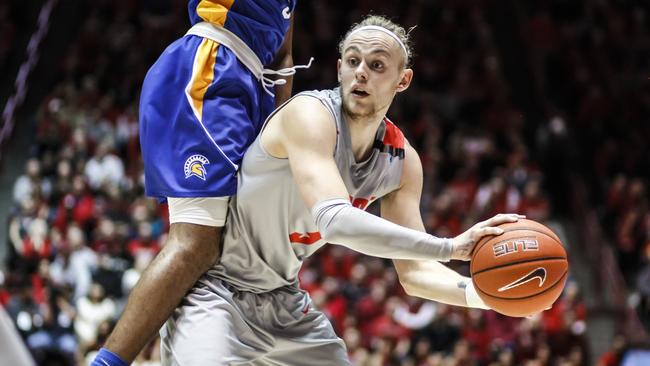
362, 134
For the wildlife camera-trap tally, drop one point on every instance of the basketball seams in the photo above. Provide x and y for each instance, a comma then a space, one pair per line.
529, 296
520, 262
554, 236
480, 245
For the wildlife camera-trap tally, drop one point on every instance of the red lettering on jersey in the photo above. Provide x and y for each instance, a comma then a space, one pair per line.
304, 238
361, 203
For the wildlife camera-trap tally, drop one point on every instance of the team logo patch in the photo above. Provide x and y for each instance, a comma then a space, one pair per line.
286, 13
195, 166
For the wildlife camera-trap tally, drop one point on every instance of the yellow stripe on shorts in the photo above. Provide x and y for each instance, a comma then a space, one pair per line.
214, 11
202, 75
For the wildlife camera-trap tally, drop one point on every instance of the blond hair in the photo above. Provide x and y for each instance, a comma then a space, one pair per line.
381, 21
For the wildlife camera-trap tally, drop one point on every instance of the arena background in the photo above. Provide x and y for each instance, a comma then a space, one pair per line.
539, 107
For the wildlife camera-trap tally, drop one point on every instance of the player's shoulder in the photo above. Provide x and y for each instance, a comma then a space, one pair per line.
306, 101
411, 156
306, 111
305, 118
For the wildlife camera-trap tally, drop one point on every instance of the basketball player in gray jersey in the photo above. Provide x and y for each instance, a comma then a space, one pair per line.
321, 158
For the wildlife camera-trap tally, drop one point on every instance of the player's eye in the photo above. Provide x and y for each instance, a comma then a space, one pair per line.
377, 65
353, 61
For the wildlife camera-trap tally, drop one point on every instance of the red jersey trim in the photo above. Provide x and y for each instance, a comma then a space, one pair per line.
393, 141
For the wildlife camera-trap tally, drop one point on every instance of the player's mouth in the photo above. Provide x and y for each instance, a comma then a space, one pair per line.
359, 93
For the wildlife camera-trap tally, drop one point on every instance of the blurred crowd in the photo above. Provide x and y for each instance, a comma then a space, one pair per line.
81, 231
591, 60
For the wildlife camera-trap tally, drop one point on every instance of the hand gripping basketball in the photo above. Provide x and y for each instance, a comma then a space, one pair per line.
463, 244
522, 271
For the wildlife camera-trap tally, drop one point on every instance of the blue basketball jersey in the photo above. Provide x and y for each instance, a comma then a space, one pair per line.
261, 24
200, 107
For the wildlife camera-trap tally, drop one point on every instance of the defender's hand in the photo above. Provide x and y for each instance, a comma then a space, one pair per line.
463, 244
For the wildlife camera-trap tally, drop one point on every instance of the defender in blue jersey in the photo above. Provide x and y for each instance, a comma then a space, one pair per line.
202, 104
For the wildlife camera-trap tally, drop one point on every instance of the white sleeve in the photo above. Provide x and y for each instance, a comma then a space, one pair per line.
208, 211
340, 223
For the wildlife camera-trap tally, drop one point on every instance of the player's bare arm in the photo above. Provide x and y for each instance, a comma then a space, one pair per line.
425, 278
284, 59
304, 132
190, 250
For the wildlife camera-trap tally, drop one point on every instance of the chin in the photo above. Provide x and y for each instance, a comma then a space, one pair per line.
357, 110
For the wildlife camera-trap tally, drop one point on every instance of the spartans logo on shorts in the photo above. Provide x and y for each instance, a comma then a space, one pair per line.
195, 166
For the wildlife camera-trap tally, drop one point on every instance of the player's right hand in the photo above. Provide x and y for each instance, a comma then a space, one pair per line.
463, 244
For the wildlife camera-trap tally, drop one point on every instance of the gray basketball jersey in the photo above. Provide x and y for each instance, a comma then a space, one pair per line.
270, 231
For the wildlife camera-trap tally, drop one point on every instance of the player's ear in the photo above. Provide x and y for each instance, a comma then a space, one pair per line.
405, 81
338, 70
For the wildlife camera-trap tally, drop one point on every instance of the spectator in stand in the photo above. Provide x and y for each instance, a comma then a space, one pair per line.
74, 263
113, 260
31, 184
26, 312
77, 205
371, 306
30, 236
477, 335
533, 203
92, 310
62, 183
143, 242
496, 195
104, 168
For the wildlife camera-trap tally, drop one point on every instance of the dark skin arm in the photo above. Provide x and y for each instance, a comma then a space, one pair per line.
189, 252
284, 59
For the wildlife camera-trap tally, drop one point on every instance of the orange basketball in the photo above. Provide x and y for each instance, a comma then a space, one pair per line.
522, 271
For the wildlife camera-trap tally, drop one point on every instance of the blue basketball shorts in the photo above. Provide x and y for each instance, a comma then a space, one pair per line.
200, 109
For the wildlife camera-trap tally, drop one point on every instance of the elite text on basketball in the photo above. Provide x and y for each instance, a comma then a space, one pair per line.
514, 245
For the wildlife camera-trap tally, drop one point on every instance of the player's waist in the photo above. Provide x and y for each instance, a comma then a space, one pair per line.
244, 54
243, 280
227, 38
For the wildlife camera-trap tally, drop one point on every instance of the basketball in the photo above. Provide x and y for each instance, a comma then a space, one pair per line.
522, 271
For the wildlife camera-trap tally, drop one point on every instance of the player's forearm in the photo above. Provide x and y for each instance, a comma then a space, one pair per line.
432, 281
340, 223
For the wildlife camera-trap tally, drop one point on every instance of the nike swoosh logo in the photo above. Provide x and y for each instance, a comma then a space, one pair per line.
537, 273
286, 13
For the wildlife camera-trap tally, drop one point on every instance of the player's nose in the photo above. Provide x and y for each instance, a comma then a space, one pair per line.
361, 71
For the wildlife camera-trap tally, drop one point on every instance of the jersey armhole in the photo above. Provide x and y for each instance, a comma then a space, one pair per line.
304, 94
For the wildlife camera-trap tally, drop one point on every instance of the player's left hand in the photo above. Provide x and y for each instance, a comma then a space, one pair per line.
463, 244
